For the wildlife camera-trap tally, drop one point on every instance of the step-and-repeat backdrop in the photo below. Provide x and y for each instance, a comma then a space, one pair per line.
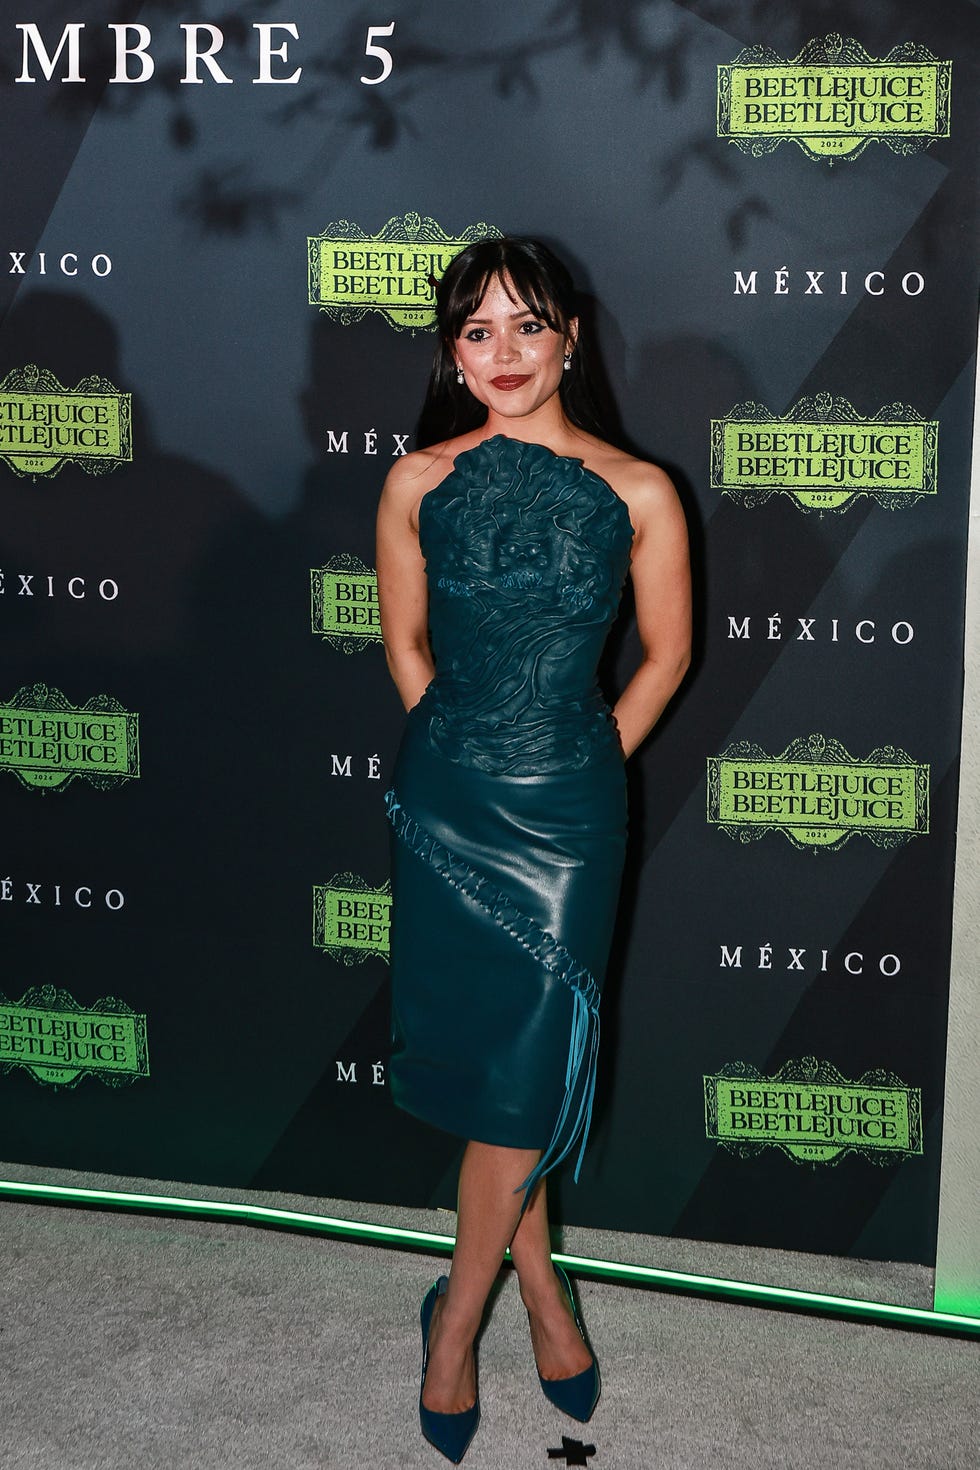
219, 225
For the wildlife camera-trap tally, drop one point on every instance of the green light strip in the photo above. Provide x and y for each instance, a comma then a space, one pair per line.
680, 1281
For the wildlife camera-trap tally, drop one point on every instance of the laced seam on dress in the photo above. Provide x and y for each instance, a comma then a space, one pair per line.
575, 1114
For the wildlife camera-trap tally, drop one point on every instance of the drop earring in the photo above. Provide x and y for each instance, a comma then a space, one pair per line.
459, 376
568, 362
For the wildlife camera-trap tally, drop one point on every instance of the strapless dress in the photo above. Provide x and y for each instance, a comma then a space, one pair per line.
508, 805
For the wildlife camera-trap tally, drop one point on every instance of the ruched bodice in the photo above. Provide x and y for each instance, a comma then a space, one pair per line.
526, 553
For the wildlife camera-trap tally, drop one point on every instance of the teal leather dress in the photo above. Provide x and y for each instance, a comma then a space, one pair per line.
508, 804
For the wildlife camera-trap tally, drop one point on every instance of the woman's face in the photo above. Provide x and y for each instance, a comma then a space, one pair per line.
512, 360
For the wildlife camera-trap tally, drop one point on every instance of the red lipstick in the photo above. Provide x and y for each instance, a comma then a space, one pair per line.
509, 381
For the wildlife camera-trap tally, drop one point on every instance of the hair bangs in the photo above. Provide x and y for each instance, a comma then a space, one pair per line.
524, 277
533, 288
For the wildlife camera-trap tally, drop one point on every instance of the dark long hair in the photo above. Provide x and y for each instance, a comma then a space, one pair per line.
544, 285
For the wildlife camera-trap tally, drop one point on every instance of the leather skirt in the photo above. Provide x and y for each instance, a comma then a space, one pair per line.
504, 896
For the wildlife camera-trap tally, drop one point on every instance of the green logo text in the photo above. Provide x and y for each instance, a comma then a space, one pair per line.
46, 742
393, 272
817, 794
351, 921
823, 454
344, 604
833, 99
58, 1042
43, 425
813, 1113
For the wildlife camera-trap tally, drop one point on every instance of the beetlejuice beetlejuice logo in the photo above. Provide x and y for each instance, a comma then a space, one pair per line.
812, 1113
818, 795
344, 604
351, 920
351, 272
44, 425
832, 99
47, 742
48, 1034
824, 455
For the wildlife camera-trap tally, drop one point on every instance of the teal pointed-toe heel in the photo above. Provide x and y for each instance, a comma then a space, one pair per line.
576, 1396
450, 1434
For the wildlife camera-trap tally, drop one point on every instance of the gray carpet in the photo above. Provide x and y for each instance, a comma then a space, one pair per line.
145, 1341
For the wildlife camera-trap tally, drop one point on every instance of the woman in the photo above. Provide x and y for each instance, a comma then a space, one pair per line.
501, 557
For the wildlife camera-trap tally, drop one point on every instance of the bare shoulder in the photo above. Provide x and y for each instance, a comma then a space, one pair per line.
414, 475
648, 491
411, 471
639, 481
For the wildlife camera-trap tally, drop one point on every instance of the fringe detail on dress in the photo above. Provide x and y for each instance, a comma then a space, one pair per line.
575, 1114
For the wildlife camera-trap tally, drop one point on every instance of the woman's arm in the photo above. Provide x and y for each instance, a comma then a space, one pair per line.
402, 590
662, 588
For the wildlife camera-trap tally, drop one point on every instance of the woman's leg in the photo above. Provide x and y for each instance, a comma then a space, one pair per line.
488, 1221
558, 1347
488, 1212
